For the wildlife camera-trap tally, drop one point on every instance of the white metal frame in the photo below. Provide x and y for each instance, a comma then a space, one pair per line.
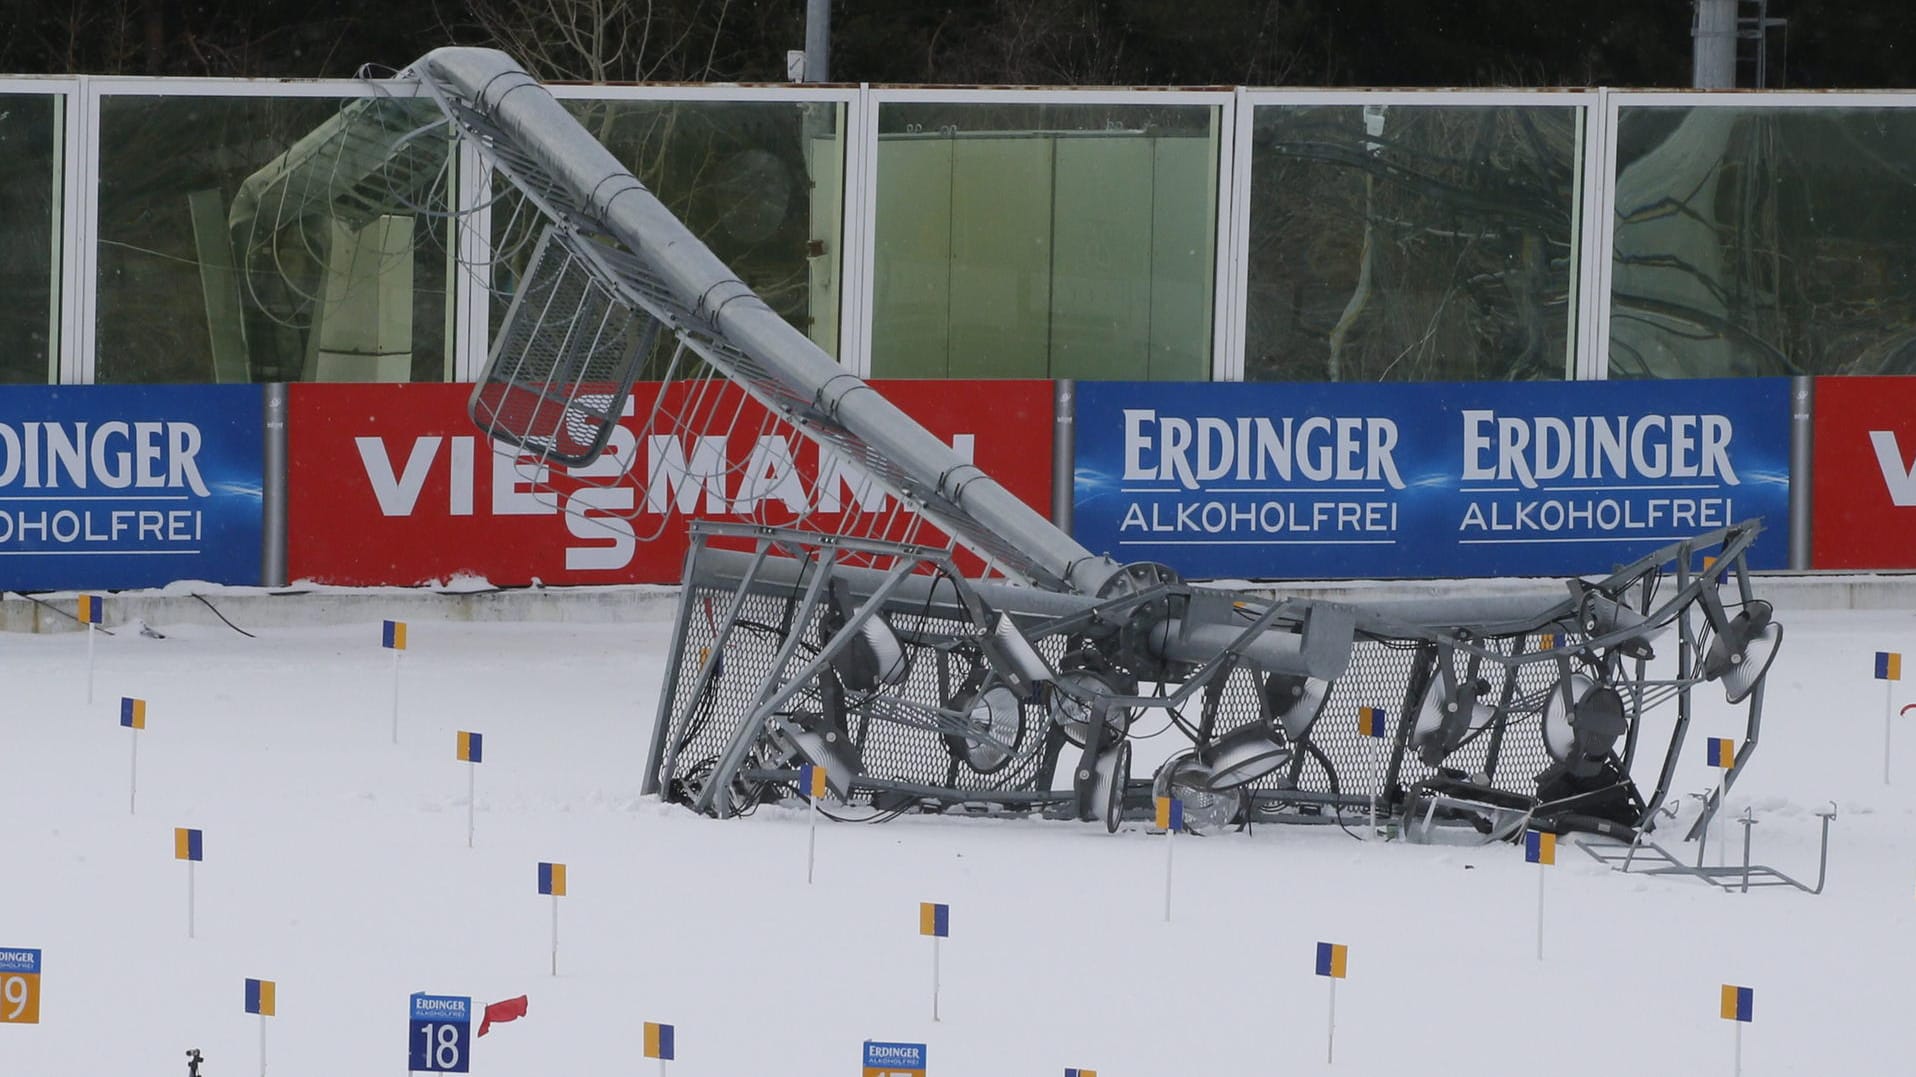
1587, 102
67, 234
75, 358
852, 270
94, 90
1596, 305
875, 99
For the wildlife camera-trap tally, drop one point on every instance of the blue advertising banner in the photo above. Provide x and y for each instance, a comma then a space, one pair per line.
1328, 481
114, 486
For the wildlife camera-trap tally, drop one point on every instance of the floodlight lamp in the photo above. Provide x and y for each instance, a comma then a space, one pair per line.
1444, 719
1013, 657
872, 657
1072, 699
825, 744
1295, 701
1601, 615
1207, 809
1244, 755
993, 725
1742, 652
1581, 723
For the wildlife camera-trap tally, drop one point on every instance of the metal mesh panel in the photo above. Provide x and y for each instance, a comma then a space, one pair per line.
703, 723
564, 360
1379, 676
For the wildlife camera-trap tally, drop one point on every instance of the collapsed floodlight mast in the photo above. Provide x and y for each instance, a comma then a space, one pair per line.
913, 685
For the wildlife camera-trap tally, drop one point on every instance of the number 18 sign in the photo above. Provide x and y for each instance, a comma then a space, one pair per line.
19, 986
441, 1034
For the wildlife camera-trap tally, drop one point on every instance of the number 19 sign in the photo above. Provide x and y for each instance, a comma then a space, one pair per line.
441, 1034
19, 986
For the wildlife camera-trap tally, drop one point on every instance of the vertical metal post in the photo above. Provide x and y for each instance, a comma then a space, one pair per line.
1330, 1038
89, 662
1064, 452
1542, 870
934, 977
1713, 45
272, 554
1170, 835
818, 40
555, 934
1748, 823
1889, 709
1802, 465
189, 899
396, 653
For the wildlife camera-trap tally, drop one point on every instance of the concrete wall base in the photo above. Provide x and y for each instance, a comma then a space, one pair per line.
261, 608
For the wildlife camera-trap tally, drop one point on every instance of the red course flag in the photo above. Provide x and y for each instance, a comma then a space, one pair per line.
510, 1010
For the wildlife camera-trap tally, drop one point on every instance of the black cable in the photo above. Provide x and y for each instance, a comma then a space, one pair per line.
222, 617
48, 605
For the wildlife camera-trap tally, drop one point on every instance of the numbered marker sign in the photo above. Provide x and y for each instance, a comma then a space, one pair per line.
894, 1059
441, 1035
19, 986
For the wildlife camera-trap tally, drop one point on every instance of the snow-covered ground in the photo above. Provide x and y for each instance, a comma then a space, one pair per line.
336, 864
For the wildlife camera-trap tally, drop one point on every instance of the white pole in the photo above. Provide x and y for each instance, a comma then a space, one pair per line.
1330, 1039
555, 934
1542, 870
395, 696
1170, 834
1739, 1048
811, 839
262, 1045
189, 899
89, 662
133, 775
1889, 691
934, 977
1376, 782
472, 770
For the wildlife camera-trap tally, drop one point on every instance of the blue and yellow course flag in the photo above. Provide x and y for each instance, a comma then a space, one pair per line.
1889, 666
1720, 751
1331, 959
132, 712
552, 879
1372, 721
814, 780
658, 1041
1080, 1073
392, 635
1539, 847
472, 747
1170, 813
90, 609
187, 844
262, 997
934, 919
1738, 1002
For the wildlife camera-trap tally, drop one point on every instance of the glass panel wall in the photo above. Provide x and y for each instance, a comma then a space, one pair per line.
30, 220
1045, 241
759, 182
271, 239
1764, 241
1411, 242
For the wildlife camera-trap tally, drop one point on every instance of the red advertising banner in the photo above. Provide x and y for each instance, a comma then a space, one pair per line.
391, 484
1863, 496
